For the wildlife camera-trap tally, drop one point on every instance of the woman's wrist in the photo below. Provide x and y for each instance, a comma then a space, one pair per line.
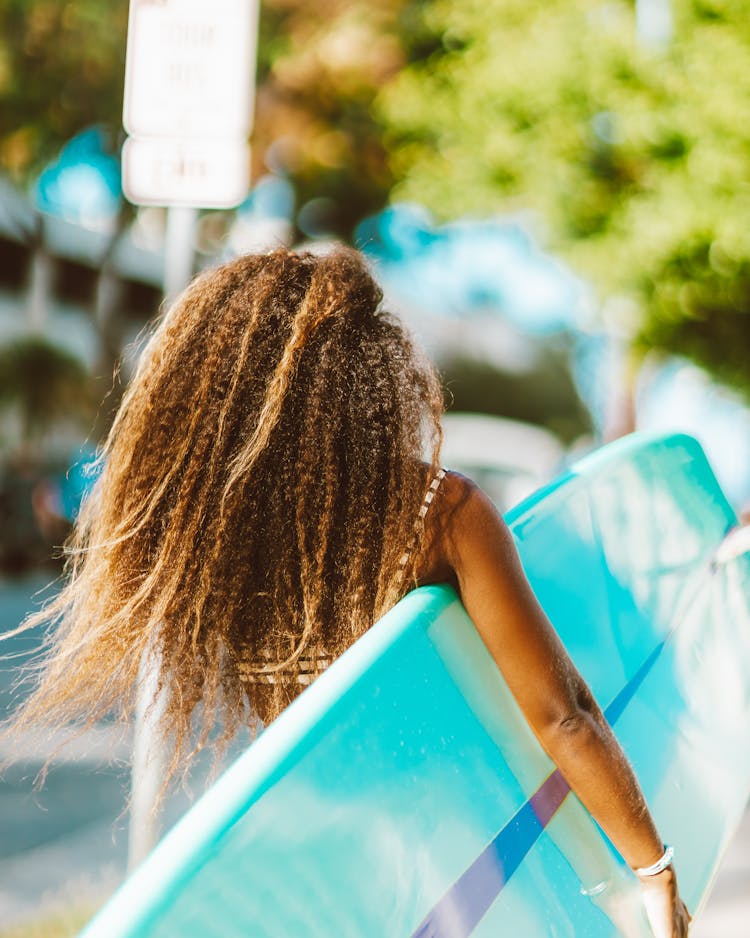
659, 866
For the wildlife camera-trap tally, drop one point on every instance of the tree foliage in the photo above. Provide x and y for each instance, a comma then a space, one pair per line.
634, 156
320, 66
45, 384
62, 67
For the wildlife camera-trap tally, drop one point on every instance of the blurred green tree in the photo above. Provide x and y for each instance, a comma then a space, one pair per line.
634, 156
61, 68
46, 386
320, 66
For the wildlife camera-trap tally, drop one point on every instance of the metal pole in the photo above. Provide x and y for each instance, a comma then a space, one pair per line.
179, 250
148, 766
149, 756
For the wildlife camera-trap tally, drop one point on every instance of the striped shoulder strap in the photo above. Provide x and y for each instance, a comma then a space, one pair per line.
419, 521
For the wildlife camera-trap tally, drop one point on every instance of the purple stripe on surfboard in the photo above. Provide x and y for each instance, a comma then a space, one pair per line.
467, 901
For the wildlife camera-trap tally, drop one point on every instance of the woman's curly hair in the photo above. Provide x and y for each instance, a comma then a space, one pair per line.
258, 492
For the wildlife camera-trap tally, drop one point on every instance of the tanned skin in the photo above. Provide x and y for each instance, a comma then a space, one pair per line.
468, 545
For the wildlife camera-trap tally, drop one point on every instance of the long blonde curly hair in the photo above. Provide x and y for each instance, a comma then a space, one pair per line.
258, 490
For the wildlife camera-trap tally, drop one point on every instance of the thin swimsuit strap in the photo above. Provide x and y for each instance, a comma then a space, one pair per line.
305, 670
421, 515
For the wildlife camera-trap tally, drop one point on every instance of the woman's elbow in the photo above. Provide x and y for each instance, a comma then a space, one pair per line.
572, 729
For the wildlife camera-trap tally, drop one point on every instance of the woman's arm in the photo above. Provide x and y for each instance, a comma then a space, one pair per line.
547, 686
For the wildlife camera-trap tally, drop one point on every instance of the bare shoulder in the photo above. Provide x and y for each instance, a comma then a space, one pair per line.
456, 489
466, 512
462, 520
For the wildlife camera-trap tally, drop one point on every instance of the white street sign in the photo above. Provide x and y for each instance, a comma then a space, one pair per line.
190, 68
198, 173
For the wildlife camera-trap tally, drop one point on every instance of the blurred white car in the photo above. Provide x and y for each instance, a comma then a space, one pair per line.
508, 459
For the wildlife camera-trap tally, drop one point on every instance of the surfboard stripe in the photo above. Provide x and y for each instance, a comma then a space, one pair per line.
468, 900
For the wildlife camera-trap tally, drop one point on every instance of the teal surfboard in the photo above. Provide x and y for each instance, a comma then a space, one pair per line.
403, 794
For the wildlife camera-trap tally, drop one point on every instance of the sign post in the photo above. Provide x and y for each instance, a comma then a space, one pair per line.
188, 111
